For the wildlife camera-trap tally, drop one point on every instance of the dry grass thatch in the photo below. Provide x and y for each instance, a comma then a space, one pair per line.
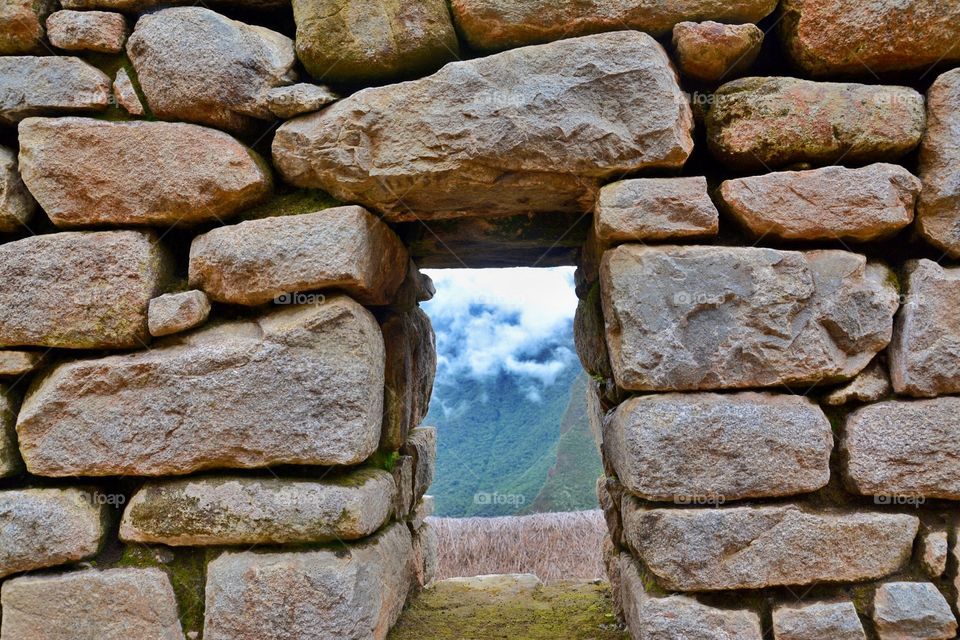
554, 546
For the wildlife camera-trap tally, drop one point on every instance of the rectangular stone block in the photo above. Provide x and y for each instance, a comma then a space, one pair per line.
938, 211
299, 385
46, 527
257, 261
134, 604
352, 592
699, 318
760, 547
711, 448
49, 85
10, 463
421, 445
80, 290
925, 351
236, 510
904, 450
817, 621
16, 363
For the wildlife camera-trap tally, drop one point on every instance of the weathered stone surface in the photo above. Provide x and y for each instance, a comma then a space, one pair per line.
912, 611
678, 617
47, 527
235, 510
403, 478
372, 40
14, 364
411, 367
22, 25
588, 335
654, 209
297, 99
175, 312
900, 448
871, 385
938, 211
260, 260
112, 604
711, 52
758, 547
833, 203
300, 385
421, 445
757, 124
867, 38
689, 318
148, 173
503, 24
425, 550
690, 447
80, 289
422, 511
925, 352
509, 146
125, 95
356, 592
933, 553
818, 621
10, 463
16, 204
132, 6
100, 31
49, 85
196, 65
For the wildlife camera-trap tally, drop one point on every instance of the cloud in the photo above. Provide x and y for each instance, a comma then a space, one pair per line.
515, 321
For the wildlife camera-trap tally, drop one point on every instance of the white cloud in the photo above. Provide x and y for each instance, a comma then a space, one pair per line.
516, 321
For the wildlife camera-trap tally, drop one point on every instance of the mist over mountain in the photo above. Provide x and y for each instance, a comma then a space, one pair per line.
509, 398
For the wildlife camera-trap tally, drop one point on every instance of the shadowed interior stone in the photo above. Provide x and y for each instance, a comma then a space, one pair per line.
373, 40
16, 204
760, 124
80, 290
422, 446
817, 621
871, 385
10, 463
938, 212
698, 318
833, 203
711, 52
933, 553
678, 617
925, 352
912, 611
686, 447
148, 173
175, 312
260, 260
760, 547
357, 591
99, 31
296, 99
14, 364
47, 527
299, 385
125, 94
116, 603
411, 367
236, 510
654, 209
904, 448
868, 38
196, 65
503, 24
22, 25
49, 85
530, 130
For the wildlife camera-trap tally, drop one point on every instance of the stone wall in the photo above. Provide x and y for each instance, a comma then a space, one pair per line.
214, 369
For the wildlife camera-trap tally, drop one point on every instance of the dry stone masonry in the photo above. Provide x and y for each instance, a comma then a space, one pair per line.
214, 369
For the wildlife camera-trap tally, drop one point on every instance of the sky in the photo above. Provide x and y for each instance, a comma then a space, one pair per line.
517, 321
